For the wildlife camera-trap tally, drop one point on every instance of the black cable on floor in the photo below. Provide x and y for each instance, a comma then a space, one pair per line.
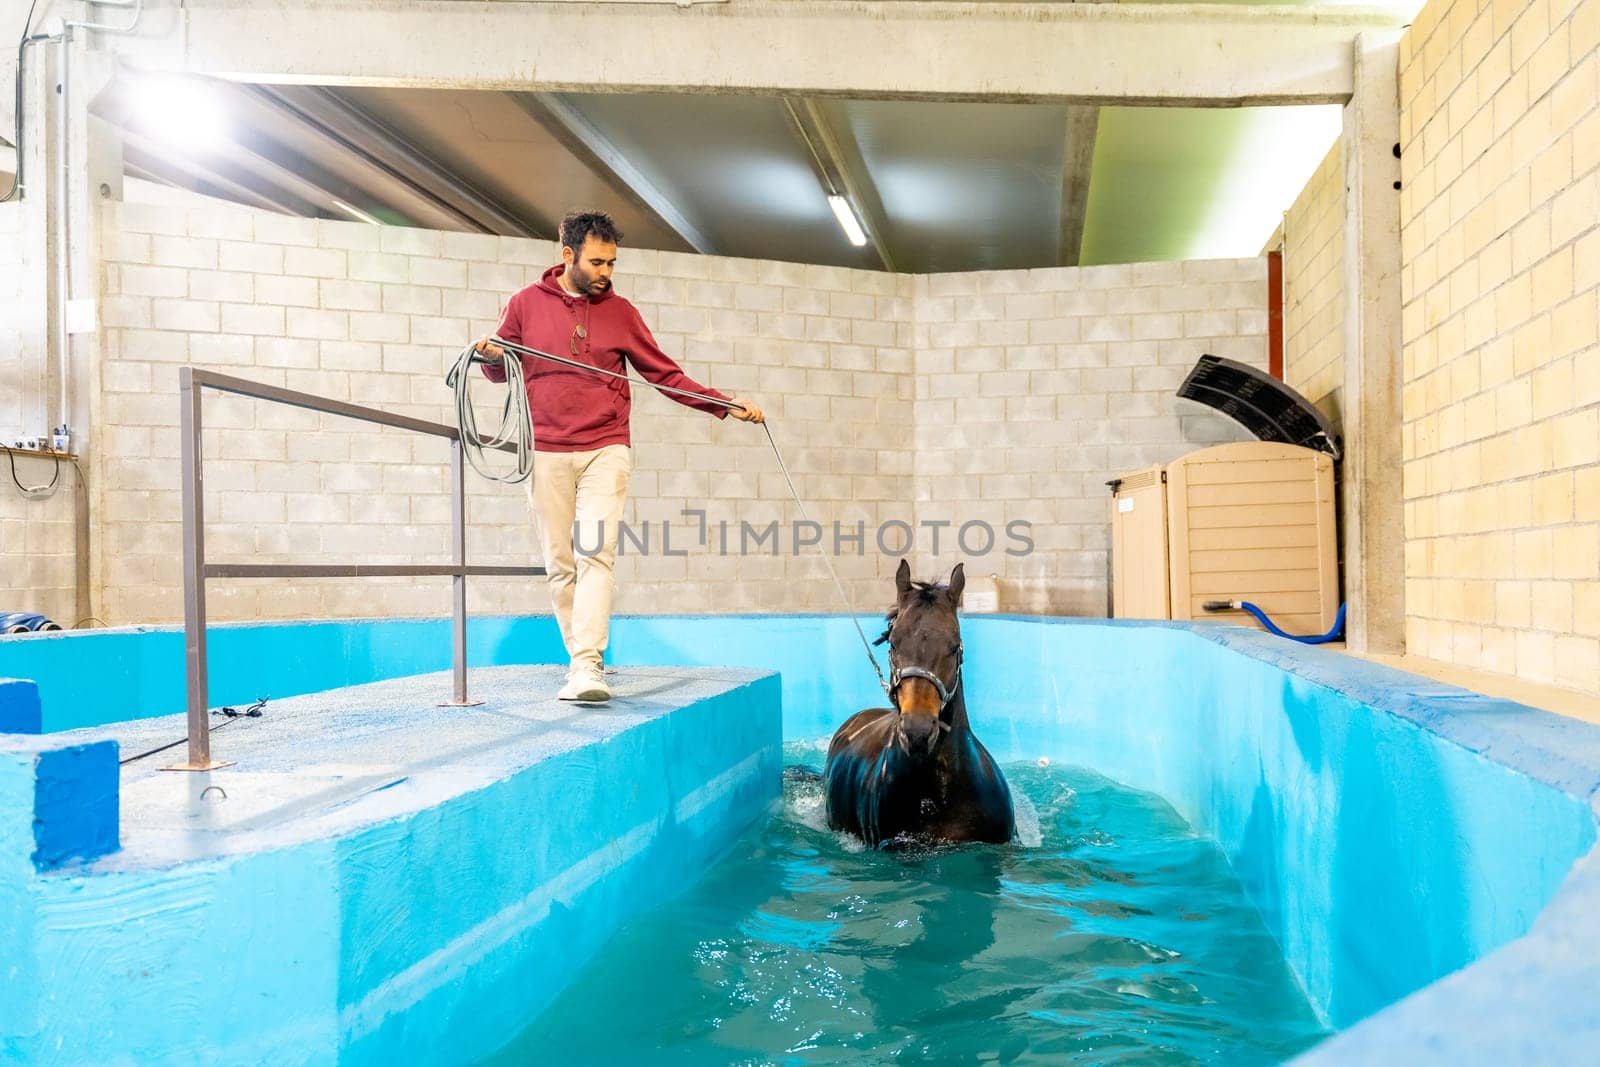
233, 715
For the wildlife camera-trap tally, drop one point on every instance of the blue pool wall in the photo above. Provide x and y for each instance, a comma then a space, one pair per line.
1382, 846
92, 678
1389, 829
432, 936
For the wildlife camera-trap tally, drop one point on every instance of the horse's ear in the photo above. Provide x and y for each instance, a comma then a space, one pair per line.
902, 578
958, 582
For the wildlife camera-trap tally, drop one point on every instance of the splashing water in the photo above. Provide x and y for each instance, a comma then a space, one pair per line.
1108, 934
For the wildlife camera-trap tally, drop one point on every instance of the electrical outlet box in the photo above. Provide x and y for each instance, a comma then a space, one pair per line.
54, 445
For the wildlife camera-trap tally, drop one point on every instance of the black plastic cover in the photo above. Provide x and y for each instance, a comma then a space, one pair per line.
1260, 403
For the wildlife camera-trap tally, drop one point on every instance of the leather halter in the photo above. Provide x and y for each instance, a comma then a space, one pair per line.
946, 693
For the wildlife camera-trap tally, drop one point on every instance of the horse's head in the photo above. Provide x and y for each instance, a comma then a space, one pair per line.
924, 638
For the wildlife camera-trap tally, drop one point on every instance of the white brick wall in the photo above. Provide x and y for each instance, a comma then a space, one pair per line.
37, 547
1036, 387
36, 536
12, 357
1064, 378
807, 343
1500, 128
376, 317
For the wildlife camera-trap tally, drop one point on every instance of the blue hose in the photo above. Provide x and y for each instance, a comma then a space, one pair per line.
1271, 627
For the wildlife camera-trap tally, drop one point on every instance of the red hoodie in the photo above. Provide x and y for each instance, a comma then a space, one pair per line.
576, 410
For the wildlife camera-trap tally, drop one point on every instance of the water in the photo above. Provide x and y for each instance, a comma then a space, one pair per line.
1110, 935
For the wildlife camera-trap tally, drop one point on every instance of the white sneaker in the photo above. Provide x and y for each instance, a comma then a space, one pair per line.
585, 684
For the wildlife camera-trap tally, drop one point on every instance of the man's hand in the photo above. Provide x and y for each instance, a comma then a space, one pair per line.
746, 411
491, 351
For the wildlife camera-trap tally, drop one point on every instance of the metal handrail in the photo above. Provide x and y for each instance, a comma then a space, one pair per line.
196, 570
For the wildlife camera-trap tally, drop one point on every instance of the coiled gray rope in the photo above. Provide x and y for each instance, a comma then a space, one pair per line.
514, 380
516, 422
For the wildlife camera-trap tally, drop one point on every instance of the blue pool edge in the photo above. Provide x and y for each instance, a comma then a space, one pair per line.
1528, 986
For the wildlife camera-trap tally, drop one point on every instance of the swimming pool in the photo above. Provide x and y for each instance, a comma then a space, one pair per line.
1388, 830
1108, 932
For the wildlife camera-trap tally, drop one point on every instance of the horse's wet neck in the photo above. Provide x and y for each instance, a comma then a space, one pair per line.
952, 750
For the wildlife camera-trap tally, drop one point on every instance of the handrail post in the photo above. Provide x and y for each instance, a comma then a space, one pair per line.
191, 385
458, 581
194, 579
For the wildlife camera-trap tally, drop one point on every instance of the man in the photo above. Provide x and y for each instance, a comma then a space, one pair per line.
580, 427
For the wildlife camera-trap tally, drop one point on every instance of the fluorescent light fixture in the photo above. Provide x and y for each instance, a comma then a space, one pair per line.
847, 219
356, 213
179, 111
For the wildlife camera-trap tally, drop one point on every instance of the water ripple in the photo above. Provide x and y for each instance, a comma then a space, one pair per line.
1108, 934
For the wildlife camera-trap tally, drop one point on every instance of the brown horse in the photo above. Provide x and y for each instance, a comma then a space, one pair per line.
917, 769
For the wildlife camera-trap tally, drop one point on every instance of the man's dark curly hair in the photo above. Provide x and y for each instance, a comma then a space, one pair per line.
580, 224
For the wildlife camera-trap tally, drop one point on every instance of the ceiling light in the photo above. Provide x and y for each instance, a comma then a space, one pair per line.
180, 111
847, 219
356, 213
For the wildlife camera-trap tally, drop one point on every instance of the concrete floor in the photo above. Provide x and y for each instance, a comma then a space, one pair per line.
322, 764
1568, 702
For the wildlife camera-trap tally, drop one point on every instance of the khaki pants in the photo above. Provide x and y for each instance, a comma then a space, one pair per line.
581, 493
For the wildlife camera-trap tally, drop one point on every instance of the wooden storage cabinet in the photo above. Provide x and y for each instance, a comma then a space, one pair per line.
1140, 587
1249, 521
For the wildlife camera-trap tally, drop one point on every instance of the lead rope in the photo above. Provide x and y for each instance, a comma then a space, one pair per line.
833, 573
457, 380
516, 421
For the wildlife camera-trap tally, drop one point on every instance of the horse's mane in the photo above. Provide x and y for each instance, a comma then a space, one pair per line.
927, 593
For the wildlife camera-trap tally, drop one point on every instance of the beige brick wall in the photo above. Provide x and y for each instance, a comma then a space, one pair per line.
827, 354
1501, 169
1313, 289
36, 535
37, 547
12, 359
29, 391
1065, 379
1036, 387
376, 316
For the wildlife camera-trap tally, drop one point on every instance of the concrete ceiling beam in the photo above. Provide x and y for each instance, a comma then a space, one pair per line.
152, 161
1081, 126
605, 160
276, 139
288, 180
840, 168
1148, 54
394, 160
